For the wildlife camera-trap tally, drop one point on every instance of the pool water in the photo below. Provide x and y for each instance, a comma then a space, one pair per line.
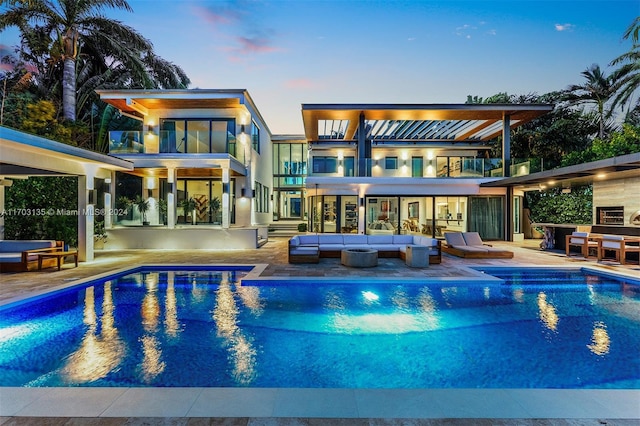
536, 329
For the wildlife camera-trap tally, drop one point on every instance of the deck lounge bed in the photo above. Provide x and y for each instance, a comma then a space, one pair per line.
470, 245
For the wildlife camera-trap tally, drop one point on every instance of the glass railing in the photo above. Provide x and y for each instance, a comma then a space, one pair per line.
126, 142
440, 167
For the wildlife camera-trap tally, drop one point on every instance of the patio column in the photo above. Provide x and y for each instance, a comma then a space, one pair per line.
171, 198
109, 190
364, 148
3, 182
225, 197
506, 145
86, 203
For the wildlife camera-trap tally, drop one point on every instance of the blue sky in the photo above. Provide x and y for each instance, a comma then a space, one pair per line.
286, 53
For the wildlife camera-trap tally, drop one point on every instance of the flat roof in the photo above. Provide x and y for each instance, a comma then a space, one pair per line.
611, 168
39, 148
137, 102
415, 122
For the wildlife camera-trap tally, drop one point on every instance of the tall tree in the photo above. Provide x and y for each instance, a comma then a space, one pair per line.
598, 89
76, 34
629, 62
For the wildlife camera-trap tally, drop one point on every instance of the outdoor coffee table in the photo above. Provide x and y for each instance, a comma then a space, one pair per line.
59, 256
359, 258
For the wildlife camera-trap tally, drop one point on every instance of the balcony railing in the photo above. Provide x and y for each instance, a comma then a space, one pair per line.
126, 142
440, 167
170, 141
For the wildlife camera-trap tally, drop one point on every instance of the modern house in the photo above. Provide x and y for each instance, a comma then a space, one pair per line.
203, 157
391, 168
203, 170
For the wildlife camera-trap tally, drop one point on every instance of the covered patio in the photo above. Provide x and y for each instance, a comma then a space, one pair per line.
25, 155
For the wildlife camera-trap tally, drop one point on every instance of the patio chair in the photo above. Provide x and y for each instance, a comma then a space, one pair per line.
618, 245
580, 239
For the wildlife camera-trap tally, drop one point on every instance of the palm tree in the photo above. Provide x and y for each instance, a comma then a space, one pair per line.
629, 71
99, 50
598, 89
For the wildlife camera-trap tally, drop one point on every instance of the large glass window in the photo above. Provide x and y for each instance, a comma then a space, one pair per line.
517, 215
391, 163
417, 166
198, 136
486, 216
349, 166
199, 201
349, 214
325, 164
255, 137
451, 214
382, 215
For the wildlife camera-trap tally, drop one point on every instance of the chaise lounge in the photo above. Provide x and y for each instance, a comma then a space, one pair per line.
310, 248
470, 245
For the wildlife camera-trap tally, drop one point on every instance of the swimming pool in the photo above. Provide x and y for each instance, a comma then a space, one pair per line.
530, 329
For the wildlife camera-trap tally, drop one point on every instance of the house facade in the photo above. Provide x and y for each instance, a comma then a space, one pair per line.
202, 158
389, 168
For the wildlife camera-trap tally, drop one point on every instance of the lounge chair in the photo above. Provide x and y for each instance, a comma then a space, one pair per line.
618, 245
580, 239
470, 245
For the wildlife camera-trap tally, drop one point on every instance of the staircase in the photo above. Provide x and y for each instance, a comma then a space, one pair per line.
284, 228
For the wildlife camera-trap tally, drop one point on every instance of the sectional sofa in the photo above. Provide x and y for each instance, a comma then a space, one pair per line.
309, 248
22, 255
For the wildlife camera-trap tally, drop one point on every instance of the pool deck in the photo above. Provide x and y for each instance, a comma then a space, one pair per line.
255, 406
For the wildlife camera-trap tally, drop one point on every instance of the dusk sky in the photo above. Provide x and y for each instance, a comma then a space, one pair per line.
286, 53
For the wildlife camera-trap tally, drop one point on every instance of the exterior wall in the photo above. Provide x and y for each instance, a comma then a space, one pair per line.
620, 192
183, 238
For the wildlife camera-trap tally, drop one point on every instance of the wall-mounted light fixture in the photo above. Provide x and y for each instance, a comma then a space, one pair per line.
242, 128
361, 201
243, 193
170, 187
150, 129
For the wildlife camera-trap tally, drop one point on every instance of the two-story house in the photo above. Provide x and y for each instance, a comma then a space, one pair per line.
202, 157
392, 168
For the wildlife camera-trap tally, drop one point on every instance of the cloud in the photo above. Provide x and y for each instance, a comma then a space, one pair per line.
300, 83
564, 27
240, 23
250, 45
492, 32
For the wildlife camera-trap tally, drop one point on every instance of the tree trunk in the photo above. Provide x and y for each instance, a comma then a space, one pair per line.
69, 89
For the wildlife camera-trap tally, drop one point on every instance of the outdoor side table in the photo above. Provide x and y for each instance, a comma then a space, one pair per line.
417, 256
59, 256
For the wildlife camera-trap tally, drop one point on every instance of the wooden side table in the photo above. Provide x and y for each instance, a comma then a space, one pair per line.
59, 256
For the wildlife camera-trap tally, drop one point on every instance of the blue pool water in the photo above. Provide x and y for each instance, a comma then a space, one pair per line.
536, 329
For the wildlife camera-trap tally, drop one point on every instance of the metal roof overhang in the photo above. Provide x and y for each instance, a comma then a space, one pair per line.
415, 123
581, 174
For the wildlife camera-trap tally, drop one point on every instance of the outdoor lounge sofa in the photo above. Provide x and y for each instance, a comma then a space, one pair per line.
309, 248
22, 255
470, 245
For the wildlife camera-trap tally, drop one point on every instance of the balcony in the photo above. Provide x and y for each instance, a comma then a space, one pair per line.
126, 142
440, 167
170, 141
